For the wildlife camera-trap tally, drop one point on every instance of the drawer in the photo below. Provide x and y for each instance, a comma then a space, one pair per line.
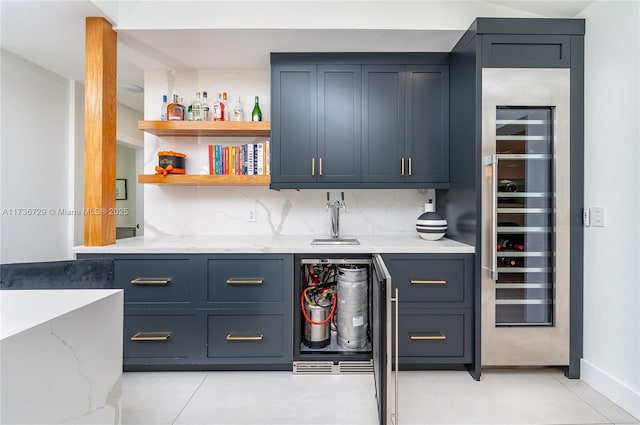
249, 279
244, 335
446, 279
431, 335
160, 336
158, 280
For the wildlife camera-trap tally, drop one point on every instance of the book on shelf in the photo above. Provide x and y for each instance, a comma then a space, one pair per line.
247, 159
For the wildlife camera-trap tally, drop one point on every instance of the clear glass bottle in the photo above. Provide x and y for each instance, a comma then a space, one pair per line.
163, 108
197, 114
217, 108
256, 114
238, 113
223, 107
206, 111
175, 110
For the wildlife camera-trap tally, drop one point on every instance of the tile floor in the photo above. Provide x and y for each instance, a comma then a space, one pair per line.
538, 396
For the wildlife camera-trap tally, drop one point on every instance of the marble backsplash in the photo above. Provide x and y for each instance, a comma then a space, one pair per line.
224, 210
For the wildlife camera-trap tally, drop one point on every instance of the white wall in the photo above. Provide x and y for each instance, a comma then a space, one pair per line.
612, 257
34, 163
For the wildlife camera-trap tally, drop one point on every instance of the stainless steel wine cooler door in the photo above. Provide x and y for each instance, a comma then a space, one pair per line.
525, 196
381, 337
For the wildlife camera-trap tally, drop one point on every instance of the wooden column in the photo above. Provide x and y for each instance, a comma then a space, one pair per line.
100, 133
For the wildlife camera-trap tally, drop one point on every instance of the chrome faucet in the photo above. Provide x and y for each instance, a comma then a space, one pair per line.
334, 209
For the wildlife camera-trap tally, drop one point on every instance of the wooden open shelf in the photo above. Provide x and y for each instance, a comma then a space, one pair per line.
203, 179
206, 128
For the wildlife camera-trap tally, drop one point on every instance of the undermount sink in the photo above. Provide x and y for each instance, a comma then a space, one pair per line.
340, 241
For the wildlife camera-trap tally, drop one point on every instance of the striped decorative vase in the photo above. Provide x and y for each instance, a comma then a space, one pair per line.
431, 225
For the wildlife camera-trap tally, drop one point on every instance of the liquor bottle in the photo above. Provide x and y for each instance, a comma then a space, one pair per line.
189, 112
197, 114
163, 108
206, 112
223, 107
175, 110
217, 108
238, 114
256, 114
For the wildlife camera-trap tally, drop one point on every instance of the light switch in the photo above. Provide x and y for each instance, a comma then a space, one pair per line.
598, 216
586, 217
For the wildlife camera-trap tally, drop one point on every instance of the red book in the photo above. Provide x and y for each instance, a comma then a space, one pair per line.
211, 170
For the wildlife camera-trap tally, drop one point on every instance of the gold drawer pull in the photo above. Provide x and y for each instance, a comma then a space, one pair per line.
151, 336
439, 337
427, 282
157, 281
231, 337
236, 281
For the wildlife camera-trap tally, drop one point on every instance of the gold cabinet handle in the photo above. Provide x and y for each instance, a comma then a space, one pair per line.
427, 282
231, 337
438, 337
402, 166
157, 281
313, 167
409, 166
320, 166
151, 336
239, 281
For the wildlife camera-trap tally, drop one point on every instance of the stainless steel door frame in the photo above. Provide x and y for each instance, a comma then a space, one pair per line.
382, 343
526, 346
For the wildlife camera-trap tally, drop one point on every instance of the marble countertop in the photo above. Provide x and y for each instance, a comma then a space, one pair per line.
24, 309
262, 244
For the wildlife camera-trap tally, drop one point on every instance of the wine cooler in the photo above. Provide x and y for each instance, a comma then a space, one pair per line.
525, 193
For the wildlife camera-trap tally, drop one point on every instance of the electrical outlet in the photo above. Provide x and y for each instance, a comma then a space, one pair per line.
252, 214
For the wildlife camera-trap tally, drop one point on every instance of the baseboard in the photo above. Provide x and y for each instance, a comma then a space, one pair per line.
610, 387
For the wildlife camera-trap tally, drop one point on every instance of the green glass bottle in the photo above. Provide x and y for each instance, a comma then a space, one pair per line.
256, 114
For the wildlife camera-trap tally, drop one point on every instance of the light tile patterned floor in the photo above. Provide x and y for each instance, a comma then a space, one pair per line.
537, 396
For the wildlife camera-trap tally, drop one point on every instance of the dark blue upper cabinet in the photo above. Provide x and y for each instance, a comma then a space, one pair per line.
427, 123
383, 123
339, 133
359, 121
294, 131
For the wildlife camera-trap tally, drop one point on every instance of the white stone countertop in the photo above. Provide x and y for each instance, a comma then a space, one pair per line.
263, 244
24, 309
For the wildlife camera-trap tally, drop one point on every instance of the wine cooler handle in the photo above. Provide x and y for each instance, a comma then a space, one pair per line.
494, 217
492, 160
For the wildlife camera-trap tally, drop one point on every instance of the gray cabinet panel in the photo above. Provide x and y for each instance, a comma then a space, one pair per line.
245, 335
181, 344
383, 123
339, 139
250, 279
154, 280
526, 51
294, 132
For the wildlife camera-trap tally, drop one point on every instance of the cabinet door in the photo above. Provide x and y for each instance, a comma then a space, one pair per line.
294, 129
427, 123
339, 142
383, 123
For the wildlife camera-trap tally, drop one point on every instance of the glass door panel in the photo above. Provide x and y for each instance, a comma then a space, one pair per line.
524, 216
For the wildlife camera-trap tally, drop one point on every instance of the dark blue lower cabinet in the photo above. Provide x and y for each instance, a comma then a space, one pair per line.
160, 338
248, 338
